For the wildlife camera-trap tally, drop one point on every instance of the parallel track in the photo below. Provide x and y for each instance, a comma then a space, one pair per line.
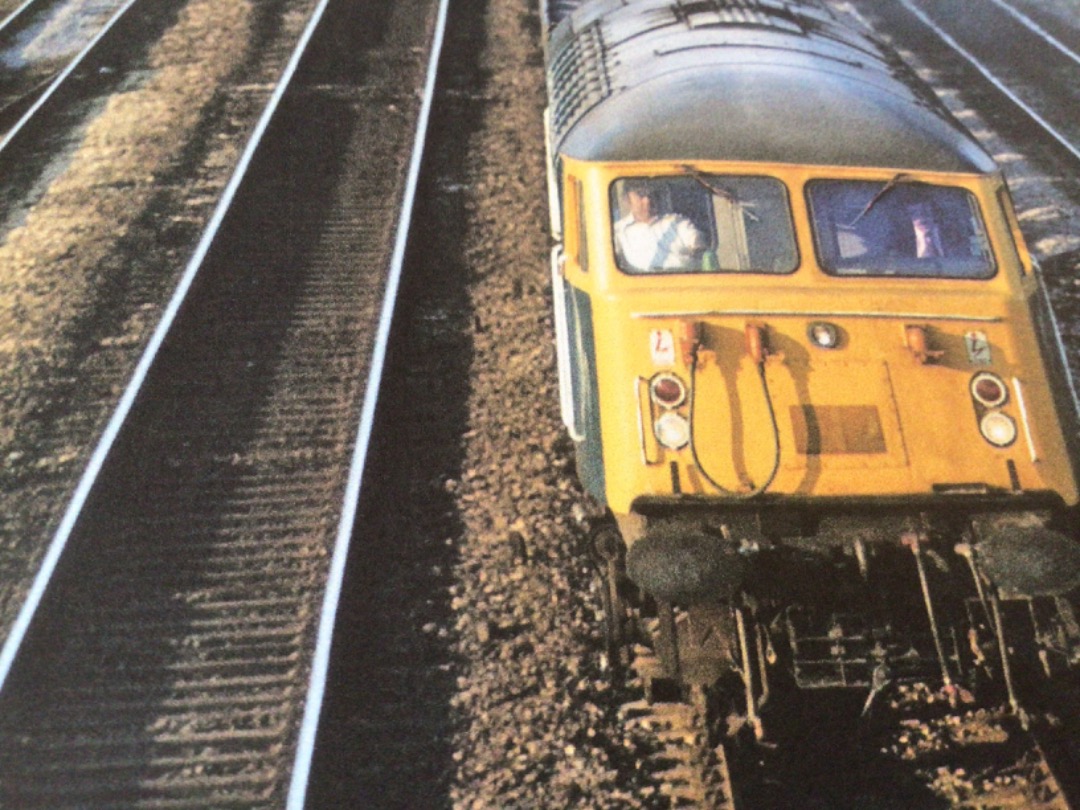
1000, 47
61, 388
1029, 62
30, 70
169, 661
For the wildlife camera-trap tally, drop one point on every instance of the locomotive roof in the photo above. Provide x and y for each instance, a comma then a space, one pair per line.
753, 80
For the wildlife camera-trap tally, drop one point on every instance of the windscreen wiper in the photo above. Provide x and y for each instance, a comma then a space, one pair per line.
716, 191
897, 179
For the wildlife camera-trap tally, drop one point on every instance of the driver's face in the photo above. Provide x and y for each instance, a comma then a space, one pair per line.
641, 207
922, 216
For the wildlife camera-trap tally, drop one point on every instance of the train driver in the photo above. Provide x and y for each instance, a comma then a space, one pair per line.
647, 240
925, 230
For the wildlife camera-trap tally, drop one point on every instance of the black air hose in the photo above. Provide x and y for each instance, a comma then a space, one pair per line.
772, 418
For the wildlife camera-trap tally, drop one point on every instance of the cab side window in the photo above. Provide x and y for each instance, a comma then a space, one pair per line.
576, 233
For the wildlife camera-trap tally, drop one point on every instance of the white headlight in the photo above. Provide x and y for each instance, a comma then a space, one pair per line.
672, 430
824, 335
998, 429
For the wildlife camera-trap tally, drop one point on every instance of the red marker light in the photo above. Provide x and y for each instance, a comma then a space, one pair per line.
989, 390
667, 390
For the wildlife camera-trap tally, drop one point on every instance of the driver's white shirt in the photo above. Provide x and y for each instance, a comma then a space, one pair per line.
668, 242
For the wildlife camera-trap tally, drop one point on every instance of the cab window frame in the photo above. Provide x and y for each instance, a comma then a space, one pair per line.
905, 267
791, 256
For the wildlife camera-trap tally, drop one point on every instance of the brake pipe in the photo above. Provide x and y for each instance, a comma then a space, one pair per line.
758, 358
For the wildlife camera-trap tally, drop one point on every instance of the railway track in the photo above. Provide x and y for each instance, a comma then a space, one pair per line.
1000, 48
98, 217
177, 654
690, 762
50, 77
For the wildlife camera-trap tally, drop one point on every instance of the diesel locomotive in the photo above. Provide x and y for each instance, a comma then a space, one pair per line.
810, 370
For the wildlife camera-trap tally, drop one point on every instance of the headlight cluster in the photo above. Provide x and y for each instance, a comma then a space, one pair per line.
671, 428
989, 391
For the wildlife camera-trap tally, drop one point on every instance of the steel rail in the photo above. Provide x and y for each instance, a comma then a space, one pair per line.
51, 560
332, 595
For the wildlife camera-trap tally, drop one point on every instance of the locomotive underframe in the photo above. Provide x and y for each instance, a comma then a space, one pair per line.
859, 595
687, 548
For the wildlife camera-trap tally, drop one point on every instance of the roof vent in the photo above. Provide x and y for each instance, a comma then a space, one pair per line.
705, 13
